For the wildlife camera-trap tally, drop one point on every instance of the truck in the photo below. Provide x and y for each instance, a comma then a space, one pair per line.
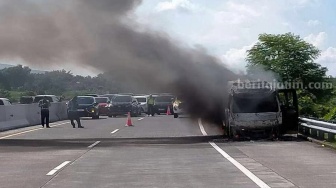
256, 108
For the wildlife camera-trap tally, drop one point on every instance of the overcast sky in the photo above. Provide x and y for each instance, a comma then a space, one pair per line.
227, 28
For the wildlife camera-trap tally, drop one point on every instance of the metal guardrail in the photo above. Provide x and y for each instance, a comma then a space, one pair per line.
322, 130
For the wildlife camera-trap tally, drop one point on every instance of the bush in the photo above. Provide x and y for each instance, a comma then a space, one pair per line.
331, 115
4, 94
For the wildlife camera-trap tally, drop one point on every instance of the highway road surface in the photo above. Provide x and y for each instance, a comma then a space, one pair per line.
157, 152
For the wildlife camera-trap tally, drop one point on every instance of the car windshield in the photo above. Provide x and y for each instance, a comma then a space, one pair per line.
164, 99
110, 96
38, 98
256, 104
102, 99
85, 100
122, 99
26, 100
141, 99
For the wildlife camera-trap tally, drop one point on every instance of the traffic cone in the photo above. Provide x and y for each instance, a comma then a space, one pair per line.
129, 120
168, 111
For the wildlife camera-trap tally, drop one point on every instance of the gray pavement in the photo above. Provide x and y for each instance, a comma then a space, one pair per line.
156, 152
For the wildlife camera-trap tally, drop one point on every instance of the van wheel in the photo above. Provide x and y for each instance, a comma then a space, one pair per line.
176, 115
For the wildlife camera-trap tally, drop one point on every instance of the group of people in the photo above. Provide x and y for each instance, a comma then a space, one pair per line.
73, 115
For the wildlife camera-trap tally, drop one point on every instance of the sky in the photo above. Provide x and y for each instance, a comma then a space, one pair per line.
227, 28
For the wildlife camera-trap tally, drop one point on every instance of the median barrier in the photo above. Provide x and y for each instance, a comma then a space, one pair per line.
23, 115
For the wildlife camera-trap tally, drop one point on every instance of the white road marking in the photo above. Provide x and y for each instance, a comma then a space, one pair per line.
140, 119
23, 132
59, 167
248, 173
114, 131
94, 144
201, 127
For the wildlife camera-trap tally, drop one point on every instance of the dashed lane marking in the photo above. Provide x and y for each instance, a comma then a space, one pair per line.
94, 144
59, 167
140, 119
114, 131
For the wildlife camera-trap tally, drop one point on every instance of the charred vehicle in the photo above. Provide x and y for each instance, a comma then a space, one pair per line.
260, 110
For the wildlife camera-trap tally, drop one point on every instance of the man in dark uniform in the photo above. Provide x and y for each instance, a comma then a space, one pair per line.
73, 113
44, 104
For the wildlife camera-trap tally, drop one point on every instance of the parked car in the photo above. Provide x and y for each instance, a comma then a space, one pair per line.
110, 96
5, 102
122, 104
91, 95
132, 94
27, 99
88, 107
103, 105
51, 98
142, 100
162, 102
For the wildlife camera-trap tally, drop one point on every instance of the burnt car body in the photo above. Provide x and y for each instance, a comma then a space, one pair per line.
122, 104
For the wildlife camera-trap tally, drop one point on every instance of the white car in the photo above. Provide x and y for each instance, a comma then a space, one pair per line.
142, 100
178, 108
5, 102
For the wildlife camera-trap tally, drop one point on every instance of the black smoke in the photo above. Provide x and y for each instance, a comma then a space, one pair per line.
102, 34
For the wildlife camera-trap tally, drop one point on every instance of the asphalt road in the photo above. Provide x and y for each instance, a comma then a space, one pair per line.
156, 152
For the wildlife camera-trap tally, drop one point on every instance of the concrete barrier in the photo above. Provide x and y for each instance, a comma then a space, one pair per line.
17, 116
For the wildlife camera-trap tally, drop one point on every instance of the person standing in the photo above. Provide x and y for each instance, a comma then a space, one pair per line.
150, 104
73, 113
44, 104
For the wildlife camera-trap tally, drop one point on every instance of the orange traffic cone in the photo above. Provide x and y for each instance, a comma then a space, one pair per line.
129, 120
168, 111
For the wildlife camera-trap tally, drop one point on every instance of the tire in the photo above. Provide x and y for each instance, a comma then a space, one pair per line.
158, 113
176, 115
109, 116
133, 114
96, 116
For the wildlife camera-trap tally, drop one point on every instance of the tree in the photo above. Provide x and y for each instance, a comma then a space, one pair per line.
16, 76
287, 55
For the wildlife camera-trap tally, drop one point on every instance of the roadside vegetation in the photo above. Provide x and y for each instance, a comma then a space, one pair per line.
291, 59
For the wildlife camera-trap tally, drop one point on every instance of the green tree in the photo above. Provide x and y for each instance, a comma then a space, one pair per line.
290, 57
16, 76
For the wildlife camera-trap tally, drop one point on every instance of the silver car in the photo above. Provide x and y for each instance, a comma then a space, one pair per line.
143, 102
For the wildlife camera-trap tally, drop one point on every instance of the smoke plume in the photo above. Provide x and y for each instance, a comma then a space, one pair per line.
101, 34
